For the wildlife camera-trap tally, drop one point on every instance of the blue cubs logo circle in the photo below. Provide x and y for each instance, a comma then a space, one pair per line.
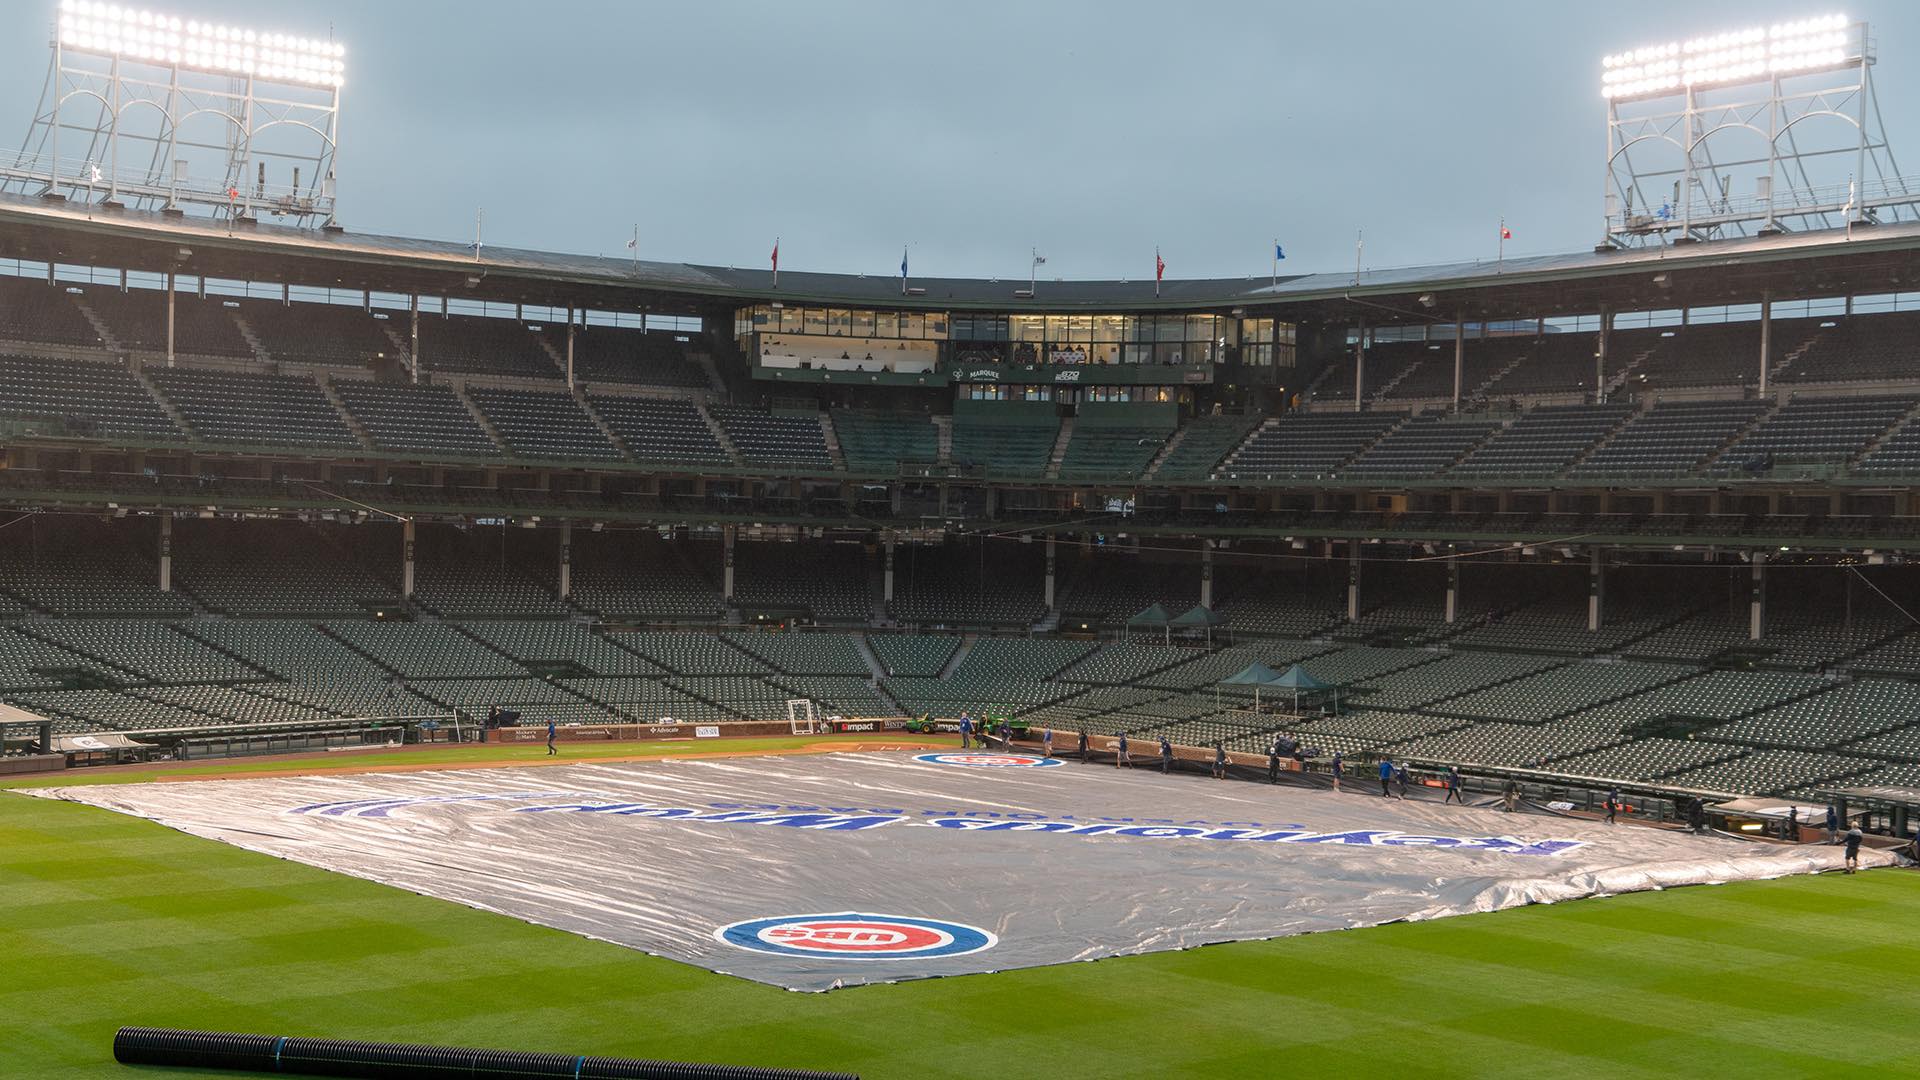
852, 936
990, 761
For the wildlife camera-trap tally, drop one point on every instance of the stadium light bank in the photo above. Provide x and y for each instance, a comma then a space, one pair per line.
1737, 56
138, 34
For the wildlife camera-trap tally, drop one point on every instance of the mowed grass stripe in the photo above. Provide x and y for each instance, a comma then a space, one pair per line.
109, 920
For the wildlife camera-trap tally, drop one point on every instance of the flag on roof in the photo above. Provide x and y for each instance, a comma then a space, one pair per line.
1278, 251
776, 254
903, 261
1159, 265
1505, 233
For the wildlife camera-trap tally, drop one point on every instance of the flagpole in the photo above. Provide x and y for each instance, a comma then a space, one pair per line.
1156, 271
1033, 270
1359, 251
776, 262
1276, 262
636, 247
479, 227
1500, 258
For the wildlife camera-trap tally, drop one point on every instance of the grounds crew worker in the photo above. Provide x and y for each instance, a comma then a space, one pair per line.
1166, 756
1453, 786
966, 730
1273, 761
1123, 758
1219, 761
1083, 744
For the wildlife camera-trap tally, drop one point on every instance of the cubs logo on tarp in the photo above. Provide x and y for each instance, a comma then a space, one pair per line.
852, 936
990, 761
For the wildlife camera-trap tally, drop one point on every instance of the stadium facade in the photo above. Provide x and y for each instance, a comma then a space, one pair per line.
1646, 508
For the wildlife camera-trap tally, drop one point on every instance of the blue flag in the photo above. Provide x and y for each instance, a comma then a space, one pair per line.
1279, 252
903, 264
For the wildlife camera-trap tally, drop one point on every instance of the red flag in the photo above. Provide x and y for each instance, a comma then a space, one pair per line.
1506, 233
1159, 266
776, 254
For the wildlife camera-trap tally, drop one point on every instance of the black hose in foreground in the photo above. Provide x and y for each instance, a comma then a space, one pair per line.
401, 1061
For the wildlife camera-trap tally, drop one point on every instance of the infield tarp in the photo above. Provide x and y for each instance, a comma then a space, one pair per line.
912, 868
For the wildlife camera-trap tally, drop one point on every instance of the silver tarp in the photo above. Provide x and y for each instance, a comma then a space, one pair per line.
821, 870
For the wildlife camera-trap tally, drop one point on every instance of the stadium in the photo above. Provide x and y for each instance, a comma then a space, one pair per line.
410, 641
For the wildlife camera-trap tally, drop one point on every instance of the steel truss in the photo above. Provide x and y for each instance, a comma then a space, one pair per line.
117, 131
1824, 160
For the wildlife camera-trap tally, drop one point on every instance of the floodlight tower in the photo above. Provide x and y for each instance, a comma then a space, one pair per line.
165, 113
1750, 132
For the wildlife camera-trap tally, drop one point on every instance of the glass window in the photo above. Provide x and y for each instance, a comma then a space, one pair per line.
913, 325
816, 321
886, 324
1202, 328
838, 322
1079, 328
1028, 327
937, 326
1057, 328
863, 324
1110, 327
1170, 328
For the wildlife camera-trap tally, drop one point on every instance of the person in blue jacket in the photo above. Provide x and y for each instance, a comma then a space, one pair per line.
1454, 793
1123, 758
966, 730
1339, 769
1386, 777
552, 732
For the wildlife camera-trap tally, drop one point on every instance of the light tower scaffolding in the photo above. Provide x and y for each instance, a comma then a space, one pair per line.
165, 113
1751, 132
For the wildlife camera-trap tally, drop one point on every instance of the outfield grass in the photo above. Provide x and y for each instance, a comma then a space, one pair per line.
108, 920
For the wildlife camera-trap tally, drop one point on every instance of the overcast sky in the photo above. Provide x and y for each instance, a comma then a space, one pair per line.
972, 131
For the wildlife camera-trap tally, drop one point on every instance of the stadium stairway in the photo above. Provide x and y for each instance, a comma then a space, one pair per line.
1792, 357
166, 406
1160, 456
1739, 437
480, 417
1381, 395
1492, 383
960, 654
1059, 452
353, 423
832, 439
599, 422
1618, 379
252, 339
943, 427
719, 433
401, 345
1879, 440
100, 327
557, 358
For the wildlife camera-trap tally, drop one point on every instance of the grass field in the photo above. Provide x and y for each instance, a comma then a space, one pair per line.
107, 920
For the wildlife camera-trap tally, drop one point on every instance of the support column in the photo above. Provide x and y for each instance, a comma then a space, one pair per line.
726, 562
413, 335
1596, 590
166, 553
1359, 365
566, 559
1459, 357
1353, 580
1206, 574
170, 286
569, 348
886, 584
1050, 568
1453, 586
1766, 338
406, 560
1757, 598
1600, 356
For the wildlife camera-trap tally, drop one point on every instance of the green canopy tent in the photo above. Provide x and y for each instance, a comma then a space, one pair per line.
1199, 618
1256, 675
1155, 617
1298, 678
